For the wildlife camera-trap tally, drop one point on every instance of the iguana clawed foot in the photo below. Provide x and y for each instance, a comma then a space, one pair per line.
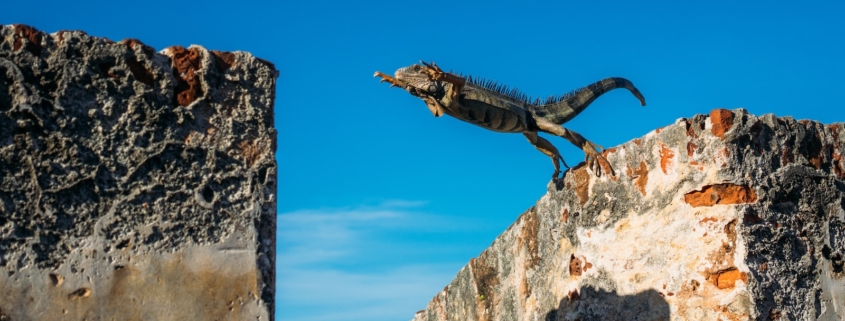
384, 77
593, 159
555, 179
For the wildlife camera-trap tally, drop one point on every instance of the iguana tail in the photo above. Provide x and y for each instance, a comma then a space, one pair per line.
570, 105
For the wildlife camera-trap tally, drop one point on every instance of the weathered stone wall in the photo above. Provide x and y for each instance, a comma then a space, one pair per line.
134, 185
720, 217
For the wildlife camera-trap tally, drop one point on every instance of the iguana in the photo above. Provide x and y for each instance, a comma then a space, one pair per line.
498, 108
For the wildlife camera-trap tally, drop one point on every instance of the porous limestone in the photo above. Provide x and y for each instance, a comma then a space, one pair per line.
726, 216
134, 185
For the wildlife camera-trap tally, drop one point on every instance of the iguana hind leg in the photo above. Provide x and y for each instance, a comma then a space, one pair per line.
592, 155
547, 148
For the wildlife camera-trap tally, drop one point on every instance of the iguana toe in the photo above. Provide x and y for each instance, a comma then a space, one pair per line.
393, 82
594, 162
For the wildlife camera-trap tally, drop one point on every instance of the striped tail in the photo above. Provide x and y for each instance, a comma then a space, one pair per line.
573, 104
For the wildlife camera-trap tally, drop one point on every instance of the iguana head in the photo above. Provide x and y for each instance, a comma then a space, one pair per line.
417, 82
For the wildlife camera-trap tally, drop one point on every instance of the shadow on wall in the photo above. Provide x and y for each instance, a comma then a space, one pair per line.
596, 304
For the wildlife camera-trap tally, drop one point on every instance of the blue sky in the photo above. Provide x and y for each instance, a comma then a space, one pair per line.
380, 203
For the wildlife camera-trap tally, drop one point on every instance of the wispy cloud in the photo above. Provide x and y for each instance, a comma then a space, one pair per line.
395, 294
402, 203
381, 262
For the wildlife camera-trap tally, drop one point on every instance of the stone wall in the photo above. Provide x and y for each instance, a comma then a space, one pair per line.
134, 184
726, 216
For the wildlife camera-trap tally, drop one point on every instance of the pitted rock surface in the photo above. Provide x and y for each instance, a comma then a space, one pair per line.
133, 181
726, 216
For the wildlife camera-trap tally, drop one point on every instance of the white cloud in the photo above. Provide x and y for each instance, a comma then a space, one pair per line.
356, 263
402, 203
337, 295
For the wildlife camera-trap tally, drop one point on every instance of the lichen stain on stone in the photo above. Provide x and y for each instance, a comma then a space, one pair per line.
723, 156
581, 180
252, 151
691, 147
623, 227
721, 121
441, 311
726, 279
722, 259
31, 36
524, 287
198, 283
730, 231
609, 151
564, 215
838, 165
691, 132
486, 278
527, 239
707, 220
223, 60
575, 266
587, 265
687, 291
639, 175
721, 194
727, 313
186, 63
786, 156
132, 43
666, 156
834, 130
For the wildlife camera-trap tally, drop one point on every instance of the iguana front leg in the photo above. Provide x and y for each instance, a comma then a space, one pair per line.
434, 106
393, 82
435, 73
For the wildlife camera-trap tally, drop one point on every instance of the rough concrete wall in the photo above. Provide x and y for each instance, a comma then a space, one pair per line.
724, 216
134, 185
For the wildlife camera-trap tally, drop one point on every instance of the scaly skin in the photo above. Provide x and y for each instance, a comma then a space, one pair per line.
507, 111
